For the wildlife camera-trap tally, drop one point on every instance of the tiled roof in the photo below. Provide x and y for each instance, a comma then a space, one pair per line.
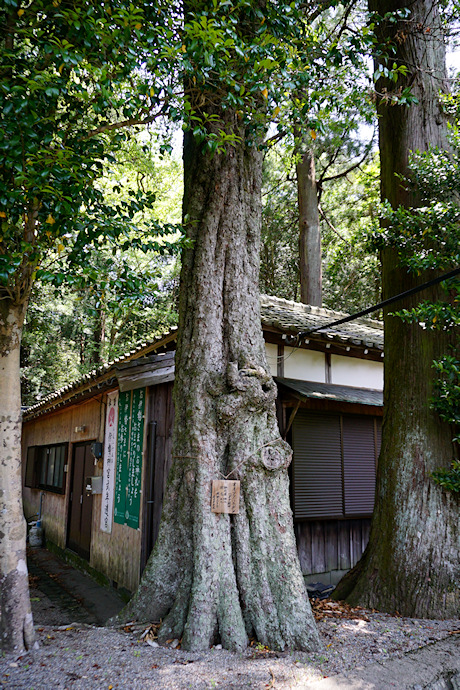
294, 317
99, 375
280, 314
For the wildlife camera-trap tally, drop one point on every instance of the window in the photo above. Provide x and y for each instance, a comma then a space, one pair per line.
335, 459
46, 467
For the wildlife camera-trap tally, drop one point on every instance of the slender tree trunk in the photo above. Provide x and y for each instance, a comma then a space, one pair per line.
215, 576
16, 625
412, 561
98, 337
309, 231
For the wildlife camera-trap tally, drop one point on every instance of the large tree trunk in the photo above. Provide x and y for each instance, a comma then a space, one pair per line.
412, 561
216, 576
309, 231
16, 625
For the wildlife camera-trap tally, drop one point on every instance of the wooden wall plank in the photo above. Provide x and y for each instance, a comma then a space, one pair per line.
318, 547
327, 545
344, 545
303, 537
355, 541
161, 411
331, 539
365, 532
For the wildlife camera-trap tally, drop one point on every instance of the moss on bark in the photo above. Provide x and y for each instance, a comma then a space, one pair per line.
215, 576
411, 564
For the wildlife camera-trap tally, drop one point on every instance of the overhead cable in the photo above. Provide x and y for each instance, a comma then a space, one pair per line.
380, 305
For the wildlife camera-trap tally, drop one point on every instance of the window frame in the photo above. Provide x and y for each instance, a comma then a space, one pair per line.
46, 467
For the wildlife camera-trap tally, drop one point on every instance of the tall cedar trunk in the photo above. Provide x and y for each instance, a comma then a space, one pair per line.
215, 576
412, 561
98, 337
309, 231
16, 625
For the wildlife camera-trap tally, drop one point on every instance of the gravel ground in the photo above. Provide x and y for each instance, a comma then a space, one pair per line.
78, 655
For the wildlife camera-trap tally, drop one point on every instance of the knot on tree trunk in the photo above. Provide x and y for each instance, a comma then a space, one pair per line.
251, 388
238, 378
273, 455
277, 456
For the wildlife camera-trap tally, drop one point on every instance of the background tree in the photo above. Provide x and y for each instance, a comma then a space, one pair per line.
115, 303
319, 125
119, 297
68, 84
348, 207
411, 563
279, 252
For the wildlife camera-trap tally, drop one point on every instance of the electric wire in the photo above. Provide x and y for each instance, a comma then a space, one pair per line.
380, 305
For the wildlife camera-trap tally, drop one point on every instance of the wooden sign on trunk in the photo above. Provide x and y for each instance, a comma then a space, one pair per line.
225, 497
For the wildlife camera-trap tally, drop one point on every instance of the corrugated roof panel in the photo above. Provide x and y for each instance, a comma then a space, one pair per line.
332, 392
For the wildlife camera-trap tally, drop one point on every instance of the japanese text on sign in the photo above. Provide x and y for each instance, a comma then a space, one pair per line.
225, 496
129, 457
110, 449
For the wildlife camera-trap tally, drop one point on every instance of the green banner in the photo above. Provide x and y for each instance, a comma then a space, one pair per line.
128, 480
133, 497
121, 477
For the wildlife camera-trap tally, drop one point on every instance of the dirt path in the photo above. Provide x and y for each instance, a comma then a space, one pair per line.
77, 652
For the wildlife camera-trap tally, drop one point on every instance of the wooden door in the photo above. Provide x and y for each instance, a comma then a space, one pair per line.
81, 503
159, 461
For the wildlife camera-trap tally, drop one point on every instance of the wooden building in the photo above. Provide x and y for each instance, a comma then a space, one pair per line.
99, 450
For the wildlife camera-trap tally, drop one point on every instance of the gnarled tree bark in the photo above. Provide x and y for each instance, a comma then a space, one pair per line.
411, 564
215, 576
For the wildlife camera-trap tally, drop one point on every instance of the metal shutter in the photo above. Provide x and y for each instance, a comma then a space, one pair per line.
378, 440
358, 465
317, 466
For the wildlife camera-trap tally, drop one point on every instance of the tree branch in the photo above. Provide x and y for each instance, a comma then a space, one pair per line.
130, 122
328, 222
353, 167
320, 7
342, 23
275, 138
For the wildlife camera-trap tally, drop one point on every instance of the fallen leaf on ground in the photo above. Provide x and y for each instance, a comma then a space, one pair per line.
150, 633
326, 608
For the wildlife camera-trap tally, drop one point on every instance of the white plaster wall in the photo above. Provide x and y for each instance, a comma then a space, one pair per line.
349, 371
305, 365
272, 354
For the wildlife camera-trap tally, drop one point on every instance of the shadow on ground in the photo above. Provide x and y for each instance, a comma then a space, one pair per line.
62, 594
